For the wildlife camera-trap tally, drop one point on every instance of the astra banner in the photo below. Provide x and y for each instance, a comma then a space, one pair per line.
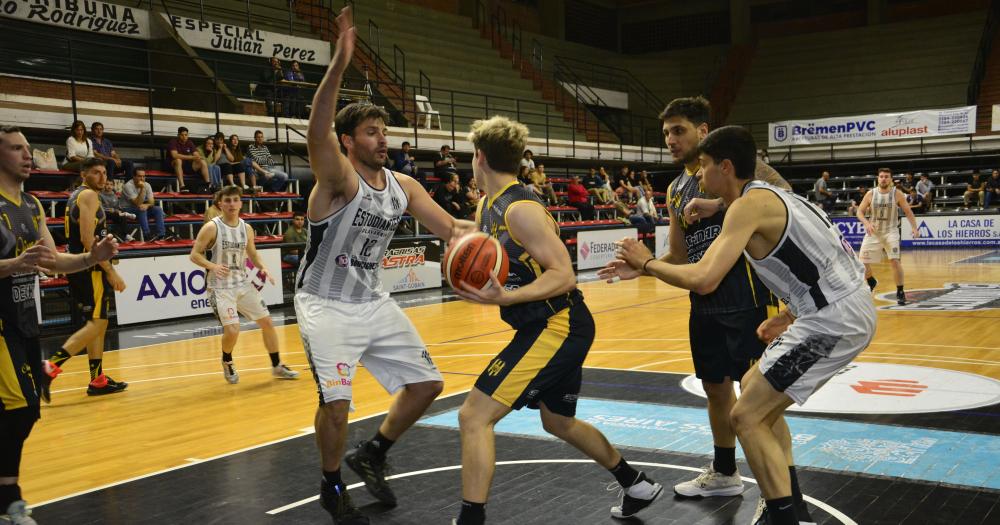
877, 127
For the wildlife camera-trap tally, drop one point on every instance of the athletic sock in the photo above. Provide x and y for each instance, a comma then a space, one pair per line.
899, 289
801, 510
872, 282
333, 477
725, 460
95, 368
9, 494
59, 357
781, 511
625, 474
379, 445
227, 358
274, 358
472, 513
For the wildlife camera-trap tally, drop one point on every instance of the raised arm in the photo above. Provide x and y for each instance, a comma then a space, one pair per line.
328, 163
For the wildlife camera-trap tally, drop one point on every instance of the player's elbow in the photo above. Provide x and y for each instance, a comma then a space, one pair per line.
704, 285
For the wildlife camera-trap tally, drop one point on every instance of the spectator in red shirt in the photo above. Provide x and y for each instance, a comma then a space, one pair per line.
579, 198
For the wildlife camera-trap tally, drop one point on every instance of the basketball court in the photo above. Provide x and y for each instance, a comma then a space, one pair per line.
910, 433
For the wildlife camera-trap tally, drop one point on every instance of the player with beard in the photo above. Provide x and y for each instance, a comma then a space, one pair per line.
344, 315
882, 229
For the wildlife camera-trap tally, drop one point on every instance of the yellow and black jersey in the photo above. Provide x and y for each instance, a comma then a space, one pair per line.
491, 216
20, 228
73, 222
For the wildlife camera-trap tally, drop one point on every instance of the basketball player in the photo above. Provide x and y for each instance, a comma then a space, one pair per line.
542, 366
722, 327
26, 247
801, 256
344, 315
882, 229
91, 291
231, 290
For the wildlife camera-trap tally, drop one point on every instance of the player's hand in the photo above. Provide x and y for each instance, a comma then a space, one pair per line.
618, 268
915, 232
461, 228
266, 274
698, 209
493, 294
221, 271
773, 327
633, 252
116, 281
346, 35
105, 249
37, 258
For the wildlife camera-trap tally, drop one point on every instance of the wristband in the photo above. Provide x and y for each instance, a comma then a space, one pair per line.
647, 262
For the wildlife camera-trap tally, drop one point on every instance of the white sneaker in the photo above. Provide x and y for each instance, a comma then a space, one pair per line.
230, 373
636, 497
711, 483
18, 514
283, 372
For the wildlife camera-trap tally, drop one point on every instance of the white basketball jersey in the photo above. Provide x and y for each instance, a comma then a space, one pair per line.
812, 265
884, 211
344, 251
229, 250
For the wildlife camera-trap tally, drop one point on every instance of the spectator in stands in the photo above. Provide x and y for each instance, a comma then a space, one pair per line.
472, 196
926, 190
213, 210
623, 185
527, 160
184, 158
445, 164
211, 155
824, 197
294, 105
78, 147
647, 206
992, 189
269, 88
263, 165
114, 212
139, 195
541, 182
579, 198
522, 175
975, 188
916, 201
593, 185
105, 150
609, 192
764, 157
643, 183
227, 161
295, 234
404, 163
907, 183
854, 199
449, 198
243, 161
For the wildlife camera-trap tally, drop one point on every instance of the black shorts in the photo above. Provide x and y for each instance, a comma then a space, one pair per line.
725, 345
15, 426
91, 294
20, 361
543, 363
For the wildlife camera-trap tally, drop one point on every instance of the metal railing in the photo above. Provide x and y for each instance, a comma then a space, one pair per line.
983, 53
614, 78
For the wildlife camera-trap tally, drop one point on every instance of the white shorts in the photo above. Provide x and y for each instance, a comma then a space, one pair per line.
338, 335
246, 300
874, 245
818, 345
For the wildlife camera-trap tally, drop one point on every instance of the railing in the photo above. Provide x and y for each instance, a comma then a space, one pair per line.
375, 36
399, 63
615, 78
420, 88
983, 54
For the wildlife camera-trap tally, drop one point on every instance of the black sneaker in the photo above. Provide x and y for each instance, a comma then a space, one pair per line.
900, 298
104, 385
372, 471
760, 516
637, 497
337, 502
872, 283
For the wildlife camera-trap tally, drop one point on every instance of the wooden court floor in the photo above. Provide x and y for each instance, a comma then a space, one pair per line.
178, 408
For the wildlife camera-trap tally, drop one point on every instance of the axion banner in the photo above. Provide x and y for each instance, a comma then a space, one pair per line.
236, 39
172, 286
84, 15
877, 127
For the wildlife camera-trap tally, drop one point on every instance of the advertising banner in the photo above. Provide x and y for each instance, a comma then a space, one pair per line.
935, 231
411, 265
236, 39
662, 238
594, 249
84, 15
172, 286
996, 118
867, 128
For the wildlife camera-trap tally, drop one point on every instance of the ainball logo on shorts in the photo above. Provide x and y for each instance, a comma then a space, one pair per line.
953, 297
344, 371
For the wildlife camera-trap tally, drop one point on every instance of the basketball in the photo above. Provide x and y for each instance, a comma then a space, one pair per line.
472, 259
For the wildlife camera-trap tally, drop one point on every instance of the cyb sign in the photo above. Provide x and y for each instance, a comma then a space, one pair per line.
167, 287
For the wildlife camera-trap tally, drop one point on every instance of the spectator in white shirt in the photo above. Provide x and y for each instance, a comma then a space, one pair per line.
78, 147
141, 202
926, 190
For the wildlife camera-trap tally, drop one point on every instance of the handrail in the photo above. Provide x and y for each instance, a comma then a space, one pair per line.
983, 53
375, 35
396, 53
420, 89
537, 58
612, 76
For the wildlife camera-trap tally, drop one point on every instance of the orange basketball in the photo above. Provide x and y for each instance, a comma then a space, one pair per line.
472, 259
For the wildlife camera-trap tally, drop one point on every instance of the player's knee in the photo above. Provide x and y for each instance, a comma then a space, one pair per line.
427, 389
231, 329
557, 425
469, 417
719, 392
742, 421
335, 412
